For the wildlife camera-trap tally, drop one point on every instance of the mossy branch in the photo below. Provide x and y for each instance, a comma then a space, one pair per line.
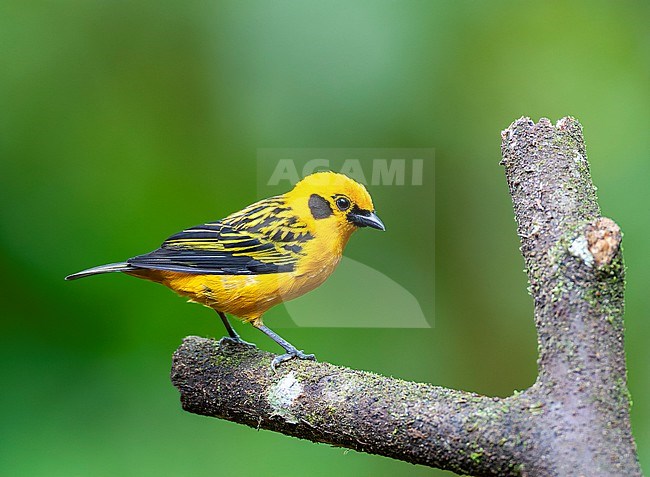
419, 423
573, 421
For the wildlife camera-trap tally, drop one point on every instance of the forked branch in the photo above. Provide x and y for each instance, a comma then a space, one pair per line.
573, 421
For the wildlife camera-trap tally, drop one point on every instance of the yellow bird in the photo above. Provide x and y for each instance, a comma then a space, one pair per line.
272, 251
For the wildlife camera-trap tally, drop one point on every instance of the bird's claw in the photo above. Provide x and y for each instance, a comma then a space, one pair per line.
236, 340
298, 353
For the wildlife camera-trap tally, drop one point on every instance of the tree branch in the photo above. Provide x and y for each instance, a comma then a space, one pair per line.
419, 423
573, 421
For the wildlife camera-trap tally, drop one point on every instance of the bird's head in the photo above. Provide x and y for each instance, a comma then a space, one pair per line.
334, 200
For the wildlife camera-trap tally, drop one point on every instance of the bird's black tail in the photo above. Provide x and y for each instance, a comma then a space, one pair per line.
111, 267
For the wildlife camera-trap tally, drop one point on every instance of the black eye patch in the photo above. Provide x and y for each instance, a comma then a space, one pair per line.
319, 207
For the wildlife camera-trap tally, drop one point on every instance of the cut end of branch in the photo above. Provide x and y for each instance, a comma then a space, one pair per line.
604, 240
524, 125
599, 243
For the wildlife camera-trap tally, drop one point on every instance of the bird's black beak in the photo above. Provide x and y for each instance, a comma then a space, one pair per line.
365, 218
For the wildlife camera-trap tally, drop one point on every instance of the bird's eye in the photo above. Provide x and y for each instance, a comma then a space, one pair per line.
342, 203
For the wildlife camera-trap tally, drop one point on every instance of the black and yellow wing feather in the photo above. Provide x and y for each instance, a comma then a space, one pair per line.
265, 237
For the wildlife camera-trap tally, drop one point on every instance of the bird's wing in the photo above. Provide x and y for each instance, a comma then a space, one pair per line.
265, 237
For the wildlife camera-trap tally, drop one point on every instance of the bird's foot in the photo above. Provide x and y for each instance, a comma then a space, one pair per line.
236, 340
295, 353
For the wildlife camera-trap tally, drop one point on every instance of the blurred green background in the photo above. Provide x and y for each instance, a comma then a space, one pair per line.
123, 122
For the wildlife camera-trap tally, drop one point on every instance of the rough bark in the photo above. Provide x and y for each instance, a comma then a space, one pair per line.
573, 421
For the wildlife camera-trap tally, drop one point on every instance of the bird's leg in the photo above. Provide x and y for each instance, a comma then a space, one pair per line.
232, 334
291, 350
